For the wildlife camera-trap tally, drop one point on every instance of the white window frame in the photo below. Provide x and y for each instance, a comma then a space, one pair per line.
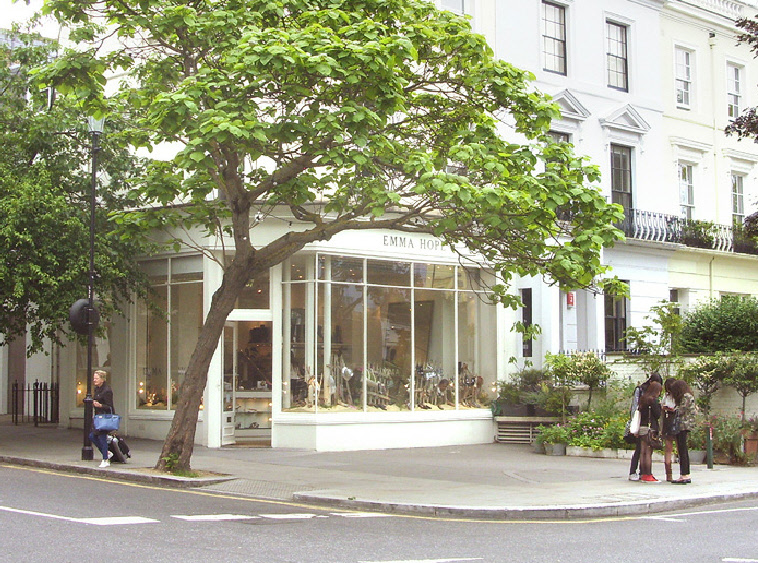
686, 189
549, 56
738, 198
684, 76
735, 77
616, 57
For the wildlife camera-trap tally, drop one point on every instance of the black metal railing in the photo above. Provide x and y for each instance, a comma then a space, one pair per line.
34, 402
659, 227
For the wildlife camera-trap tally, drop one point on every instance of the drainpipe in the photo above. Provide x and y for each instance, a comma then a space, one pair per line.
710, 277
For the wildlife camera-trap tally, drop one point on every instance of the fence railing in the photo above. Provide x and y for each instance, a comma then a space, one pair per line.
34, 402
659, 227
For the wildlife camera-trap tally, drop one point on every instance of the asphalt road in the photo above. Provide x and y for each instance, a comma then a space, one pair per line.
54, 517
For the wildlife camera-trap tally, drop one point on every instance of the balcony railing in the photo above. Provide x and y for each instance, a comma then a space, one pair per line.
659, 227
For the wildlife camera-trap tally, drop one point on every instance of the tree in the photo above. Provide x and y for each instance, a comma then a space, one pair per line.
44, 213
744, 377
657, 345
707, 373
725, 324
346, 114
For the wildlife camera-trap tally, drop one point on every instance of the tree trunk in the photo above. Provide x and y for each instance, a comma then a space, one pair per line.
180, 440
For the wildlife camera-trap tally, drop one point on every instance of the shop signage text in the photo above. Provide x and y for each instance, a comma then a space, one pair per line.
424, 244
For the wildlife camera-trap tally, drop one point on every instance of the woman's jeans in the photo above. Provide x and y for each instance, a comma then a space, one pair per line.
684, 453
100, 439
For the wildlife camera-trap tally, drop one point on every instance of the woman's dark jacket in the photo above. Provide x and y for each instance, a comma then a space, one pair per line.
104, 396
650, 415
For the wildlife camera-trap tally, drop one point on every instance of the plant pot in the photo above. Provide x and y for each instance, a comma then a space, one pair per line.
555, 449
751, 446
697, 456
539, 447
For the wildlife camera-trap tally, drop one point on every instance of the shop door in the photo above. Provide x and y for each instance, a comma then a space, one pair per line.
247, 382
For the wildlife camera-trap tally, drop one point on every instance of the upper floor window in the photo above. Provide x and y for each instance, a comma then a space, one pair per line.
686, 191
683, 70
738, 199
456, 6
621, 176
733, 90
560, 136
554, 37
616, 55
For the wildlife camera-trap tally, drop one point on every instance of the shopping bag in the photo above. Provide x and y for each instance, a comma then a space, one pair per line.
107, 422
634, 426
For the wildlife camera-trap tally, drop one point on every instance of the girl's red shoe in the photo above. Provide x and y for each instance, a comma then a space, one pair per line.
648, 479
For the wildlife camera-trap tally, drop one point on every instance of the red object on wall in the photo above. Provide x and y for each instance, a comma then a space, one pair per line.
570, 299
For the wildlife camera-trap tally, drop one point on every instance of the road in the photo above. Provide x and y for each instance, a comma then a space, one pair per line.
58, 518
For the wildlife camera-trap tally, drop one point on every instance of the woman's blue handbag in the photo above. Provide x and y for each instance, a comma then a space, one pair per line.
107, 422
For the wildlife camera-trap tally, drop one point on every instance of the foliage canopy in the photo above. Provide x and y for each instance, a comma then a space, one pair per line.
333, 115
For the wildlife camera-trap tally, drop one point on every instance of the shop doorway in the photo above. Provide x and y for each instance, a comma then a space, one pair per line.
247, 383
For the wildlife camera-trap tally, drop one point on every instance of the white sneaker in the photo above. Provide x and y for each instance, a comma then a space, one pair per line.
105, 463
634, 477
110, 455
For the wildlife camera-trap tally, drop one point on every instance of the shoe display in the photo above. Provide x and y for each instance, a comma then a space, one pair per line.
105, 463
649, 479
634, 477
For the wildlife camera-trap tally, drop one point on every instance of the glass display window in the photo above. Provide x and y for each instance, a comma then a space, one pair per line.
412, 336
167, 329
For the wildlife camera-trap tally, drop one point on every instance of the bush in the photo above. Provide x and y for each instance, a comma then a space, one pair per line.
592, 430
553, 434
726, 324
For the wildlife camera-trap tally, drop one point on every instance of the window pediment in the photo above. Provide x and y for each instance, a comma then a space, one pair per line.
628, 120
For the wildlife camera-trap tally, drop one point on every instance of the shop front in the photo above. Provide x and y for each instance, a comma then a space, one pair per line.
395, 345
372, 340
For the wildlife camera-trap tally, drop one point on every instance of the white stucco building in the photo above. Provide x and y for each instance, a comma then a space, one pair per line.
646, 88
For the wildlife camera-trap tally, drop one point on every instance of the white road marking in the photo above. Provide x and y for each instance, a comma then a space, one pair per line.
715, 511
664, 518
32, 513
212, 517
427, 560
114, 520
105, 521
288, 516
361, 514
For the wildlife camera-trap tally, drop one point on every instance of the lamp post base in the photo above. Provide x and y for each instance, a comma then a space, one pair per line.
87, 453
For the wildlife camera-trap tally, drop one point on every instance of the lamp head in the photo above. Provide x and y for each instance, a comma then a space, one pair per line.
95, 125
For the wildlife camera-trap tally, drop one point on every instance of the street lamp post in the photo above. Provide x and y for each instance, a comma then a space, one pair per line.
95, 129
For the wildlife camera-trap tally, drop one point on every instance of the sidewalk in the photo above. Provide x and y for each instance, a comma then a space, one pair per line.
493, 481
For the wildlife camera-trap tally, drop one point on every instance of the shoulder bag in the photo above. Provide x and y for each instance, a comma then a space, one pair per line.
653, 437
106, 422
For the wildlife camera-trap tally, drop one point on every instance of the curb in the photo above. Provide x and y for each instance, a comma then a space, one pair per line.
171, 481
521, 513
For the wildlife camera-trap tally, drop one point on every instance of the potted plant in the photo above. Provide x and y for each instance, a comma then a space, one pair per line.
696, 442
554, 438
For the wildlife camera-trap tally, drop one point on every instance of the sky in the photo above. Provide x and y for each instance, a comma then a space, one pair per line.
19, 11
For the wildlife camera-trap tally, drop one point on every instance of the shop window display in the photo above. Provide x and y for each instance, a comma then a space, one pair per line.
168, 331
412, 336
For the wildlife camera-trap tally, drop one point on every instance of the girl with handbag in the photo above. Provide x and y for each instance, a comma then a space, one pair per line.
650, 411
638, 391
102, 401
685, 406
